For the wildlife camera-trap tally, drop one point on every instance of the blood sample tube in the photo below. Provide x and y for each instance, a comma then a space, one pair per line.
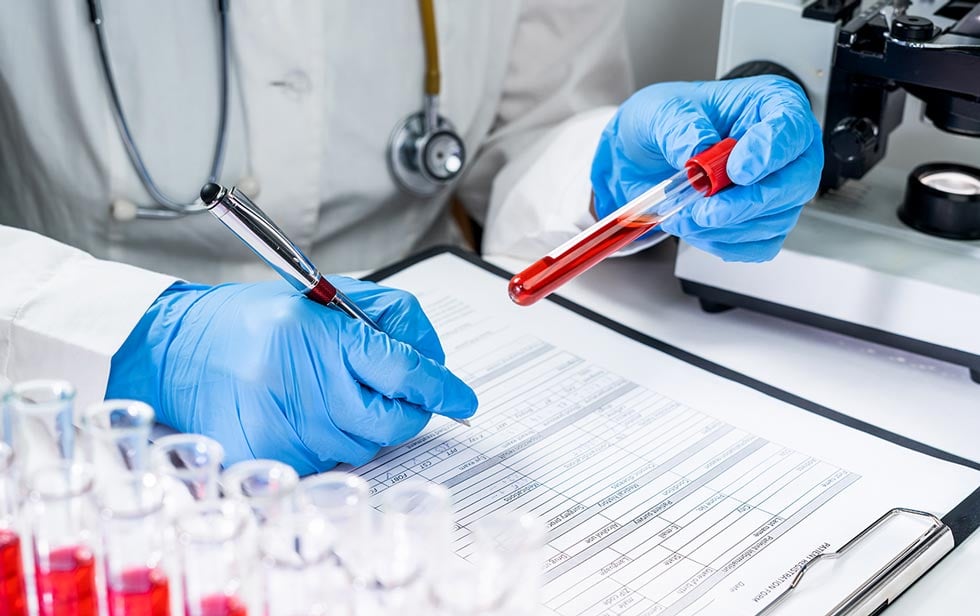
117, 435
62, 518
217, 557
192, 461
703, 175
266, 486
13, 586
134, 546
41, 423
300, 575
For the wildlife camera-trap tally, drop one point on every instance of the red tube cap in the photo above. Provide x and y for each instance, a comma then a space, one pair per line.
713, 163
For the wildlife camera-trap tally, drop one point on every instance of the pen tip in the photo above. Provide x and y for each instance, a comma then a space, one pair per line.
465, 422
209, 193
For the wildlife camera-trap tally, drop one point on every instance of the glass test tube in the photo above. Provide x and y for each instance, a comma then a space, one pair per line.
266, 486
6, 432
13, 585
117, 434
343, 500
193, 461
134, 543
416, 531
216, 545
41, 423
509, 548
503, 576
301, 577
414, 538
703, 175
62, 518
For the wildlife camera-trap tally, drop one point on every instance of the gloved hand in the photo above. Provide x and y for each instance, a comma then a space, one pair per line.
271, 374
775, 167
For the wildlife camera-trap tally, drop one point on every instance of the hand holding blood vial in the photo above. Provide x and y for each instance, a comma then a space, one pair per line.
703, 176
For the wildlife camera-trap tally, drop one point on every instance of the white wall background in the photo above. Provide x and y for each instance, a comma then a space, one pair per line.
673, 39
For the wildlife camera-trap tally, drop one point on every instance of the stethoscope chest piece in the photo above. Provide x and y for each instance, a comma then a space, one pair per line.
424, 160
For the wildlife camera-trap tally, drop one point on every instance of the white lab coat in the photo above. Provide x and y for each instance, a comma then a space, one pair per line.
316, 89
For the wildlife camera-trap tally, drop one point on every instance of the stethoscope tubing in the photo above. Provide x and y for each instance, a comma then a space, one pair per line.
414, 176
164, 206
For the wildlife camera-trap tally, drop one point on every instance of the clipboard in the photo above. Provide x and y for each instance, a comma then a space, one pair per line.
869, 596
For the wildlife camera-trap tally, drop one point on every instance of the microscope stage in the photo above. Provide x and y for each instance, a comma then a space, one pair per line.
858, 224
852, 266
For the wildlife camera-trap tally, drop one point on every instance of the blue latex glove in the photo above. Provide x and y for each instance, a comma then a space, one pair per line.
775, 166
271, 374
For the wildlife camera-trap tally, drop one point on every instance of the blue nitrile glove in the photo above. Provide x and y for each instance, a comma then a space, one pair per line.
271, 374
775, 167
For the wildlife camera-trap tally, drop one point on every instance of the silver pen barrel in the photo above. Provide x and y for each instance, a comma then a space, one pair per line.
345, 304
247, 221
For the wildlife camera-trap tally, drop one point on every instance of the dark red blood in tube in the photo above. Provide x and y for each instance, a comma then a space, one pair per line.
219, 605
545, 275
66, 583
13, 593
140, 592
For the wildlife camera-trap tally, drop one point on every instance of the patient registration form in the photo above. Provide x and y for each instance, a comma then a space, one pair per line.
666, 489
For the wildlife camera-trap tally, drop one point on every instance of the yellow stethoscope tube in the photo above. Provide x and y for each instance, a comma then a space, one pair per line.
425, 154
431, 41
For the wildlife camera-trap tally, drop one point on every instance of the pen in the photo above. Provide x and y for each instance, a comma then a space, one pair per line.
247, 221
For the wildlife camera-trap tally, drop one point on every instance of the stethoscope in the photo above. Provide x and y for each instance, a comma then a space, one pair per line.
424, 152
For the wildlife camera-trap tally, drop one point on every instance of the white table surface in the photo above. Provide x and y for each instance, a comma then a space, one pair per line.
930, 401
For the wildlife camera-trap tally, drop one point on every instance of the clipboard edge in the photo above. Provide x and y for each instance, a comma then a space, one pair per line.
962, 520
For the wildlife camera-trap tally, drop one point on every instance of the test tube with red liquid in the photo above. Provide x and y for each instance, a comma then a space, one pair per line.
133, 519
41, 423
6, 434
118, 435
217, 557
62, 517
501, 573
13, 586
190, 464
266, 486
301, 576
343, 501
703, 175
415, 535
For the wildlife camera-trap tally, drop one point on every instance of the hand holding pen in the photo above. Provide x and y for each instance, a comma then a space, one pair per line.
247, 221
251, 225
269, 374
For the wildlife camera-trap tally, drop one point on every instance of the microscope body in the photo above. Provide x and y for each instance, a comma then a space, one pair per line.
890, 249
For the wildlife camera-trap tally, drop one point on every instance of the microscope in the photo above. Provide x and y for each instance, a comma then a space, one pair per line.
889, 250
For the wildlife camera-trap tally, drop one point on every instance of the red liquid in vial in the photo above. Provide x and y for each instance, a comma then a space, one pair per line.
545, 275
66, 583
140, 592
13, 594
219, 605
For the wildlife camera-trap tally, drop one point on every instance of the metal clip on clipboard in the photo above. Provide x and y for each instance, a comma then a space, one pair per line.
878, 591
